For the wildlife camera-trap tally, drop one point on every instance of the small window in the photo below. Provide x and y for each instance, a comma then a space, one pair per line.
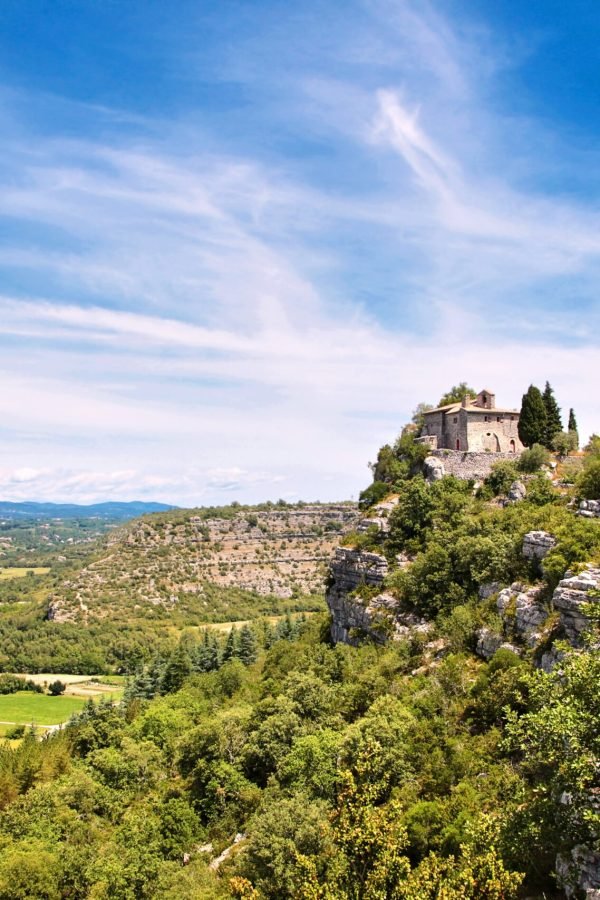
512, 418
455, 419
498, 418
486, 418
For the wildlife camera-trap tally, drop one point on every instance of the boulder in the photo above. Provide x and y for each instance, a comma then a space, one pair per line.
570, 599
488, 642
537, 544
578, 872
379, 522
488, 589
517, 491
433, 468
522, 612
589, 509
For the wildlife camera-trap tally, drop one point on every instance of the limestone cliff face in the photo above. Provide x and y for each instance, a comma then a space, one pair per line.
349, 613
527, 618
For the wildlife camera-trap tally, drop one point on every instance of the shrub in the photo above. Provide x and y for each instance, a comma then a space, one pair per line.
588, 483
373, 494
503, 474
564, 442
540, 491
56, 688
533, 459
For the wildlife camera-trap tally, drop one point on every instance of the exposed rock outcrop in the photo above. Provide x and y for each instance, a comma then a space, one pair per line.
523, 612
349, 569
589, 509
433, 468
579, 873
537, 545
517, 491
571, 598
488, 642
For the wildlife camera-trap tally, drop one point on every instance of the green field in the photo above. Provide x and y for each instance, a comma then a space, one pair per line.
14, 572
23, 708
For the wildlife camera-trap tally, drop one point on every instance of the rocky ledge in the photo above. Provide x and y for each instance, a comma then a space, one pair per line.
375, 614
349, 569
571, 599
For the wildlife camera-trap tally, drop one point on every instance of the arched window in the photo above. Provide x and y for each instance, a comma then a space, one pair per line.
513, 447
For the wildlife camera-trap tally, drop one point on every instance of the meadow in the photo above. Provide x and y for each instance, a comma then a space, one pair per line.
26, 708
16, 572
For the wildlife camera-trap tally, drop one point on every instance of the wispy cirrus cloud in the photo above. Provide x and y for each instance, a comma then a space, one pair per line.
259, 317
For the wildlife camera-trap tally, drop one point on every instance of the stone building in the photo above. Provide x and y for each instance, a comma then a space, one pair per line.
473, 425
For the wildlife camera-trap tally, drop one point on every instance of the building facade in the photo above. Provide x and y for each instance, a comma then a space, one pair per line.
473, 425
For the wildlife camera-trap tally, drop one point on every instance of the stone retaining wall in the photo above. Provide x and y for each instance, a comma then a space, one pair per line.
470, 465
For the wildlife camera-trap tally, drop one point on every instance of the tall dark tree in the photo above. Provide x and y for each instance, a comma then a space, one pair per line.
553, 420
248, 646
573, 428
178, 668
231, 649
532, 419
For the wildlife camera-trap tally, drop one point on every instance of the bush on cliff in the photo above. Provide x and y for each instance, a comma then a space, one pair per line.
533, 459
503, 474
588, 483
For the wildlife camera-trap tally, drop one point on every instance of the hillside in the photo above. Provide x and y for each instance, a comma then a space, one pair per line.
172, 562
436, 737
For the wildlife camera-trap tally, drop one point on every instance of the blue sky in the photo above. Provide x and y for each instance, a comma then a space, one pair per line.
239, 242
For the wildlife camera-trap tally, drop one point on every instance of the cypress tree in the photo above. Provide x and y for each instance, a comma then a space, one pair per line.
532, 419
553, 420
248, 646
573, 429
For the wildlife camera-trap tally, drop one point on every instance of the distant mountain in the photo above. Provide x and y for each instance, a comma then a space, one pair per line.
110, 510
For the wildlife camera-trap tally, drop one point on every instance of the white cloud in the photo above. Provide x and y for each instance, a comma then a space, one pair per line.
203, 324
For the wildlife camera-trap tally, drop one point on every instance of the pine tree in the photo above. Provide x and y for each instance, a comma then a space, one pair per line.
231, 647
268, 635
201, 655
178, 668
532, 419
155, 673
283, 629
553, 420
248, 646
573, 428
214, 655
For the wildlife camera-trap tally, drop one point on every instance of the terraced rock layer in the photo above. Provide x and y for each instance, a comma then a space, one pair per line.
162, 562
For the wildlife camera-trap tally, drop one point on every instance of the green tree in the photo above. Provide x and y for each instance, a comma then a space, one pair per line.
588, 483
231, 649
248, 646
572, 428
553, 420
418, 416
564, 442
178, 668
532, 419
457, 393
56, 688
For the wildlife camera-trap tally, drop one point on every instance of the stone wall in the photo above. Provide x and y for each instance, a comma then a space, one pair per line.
469, 465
